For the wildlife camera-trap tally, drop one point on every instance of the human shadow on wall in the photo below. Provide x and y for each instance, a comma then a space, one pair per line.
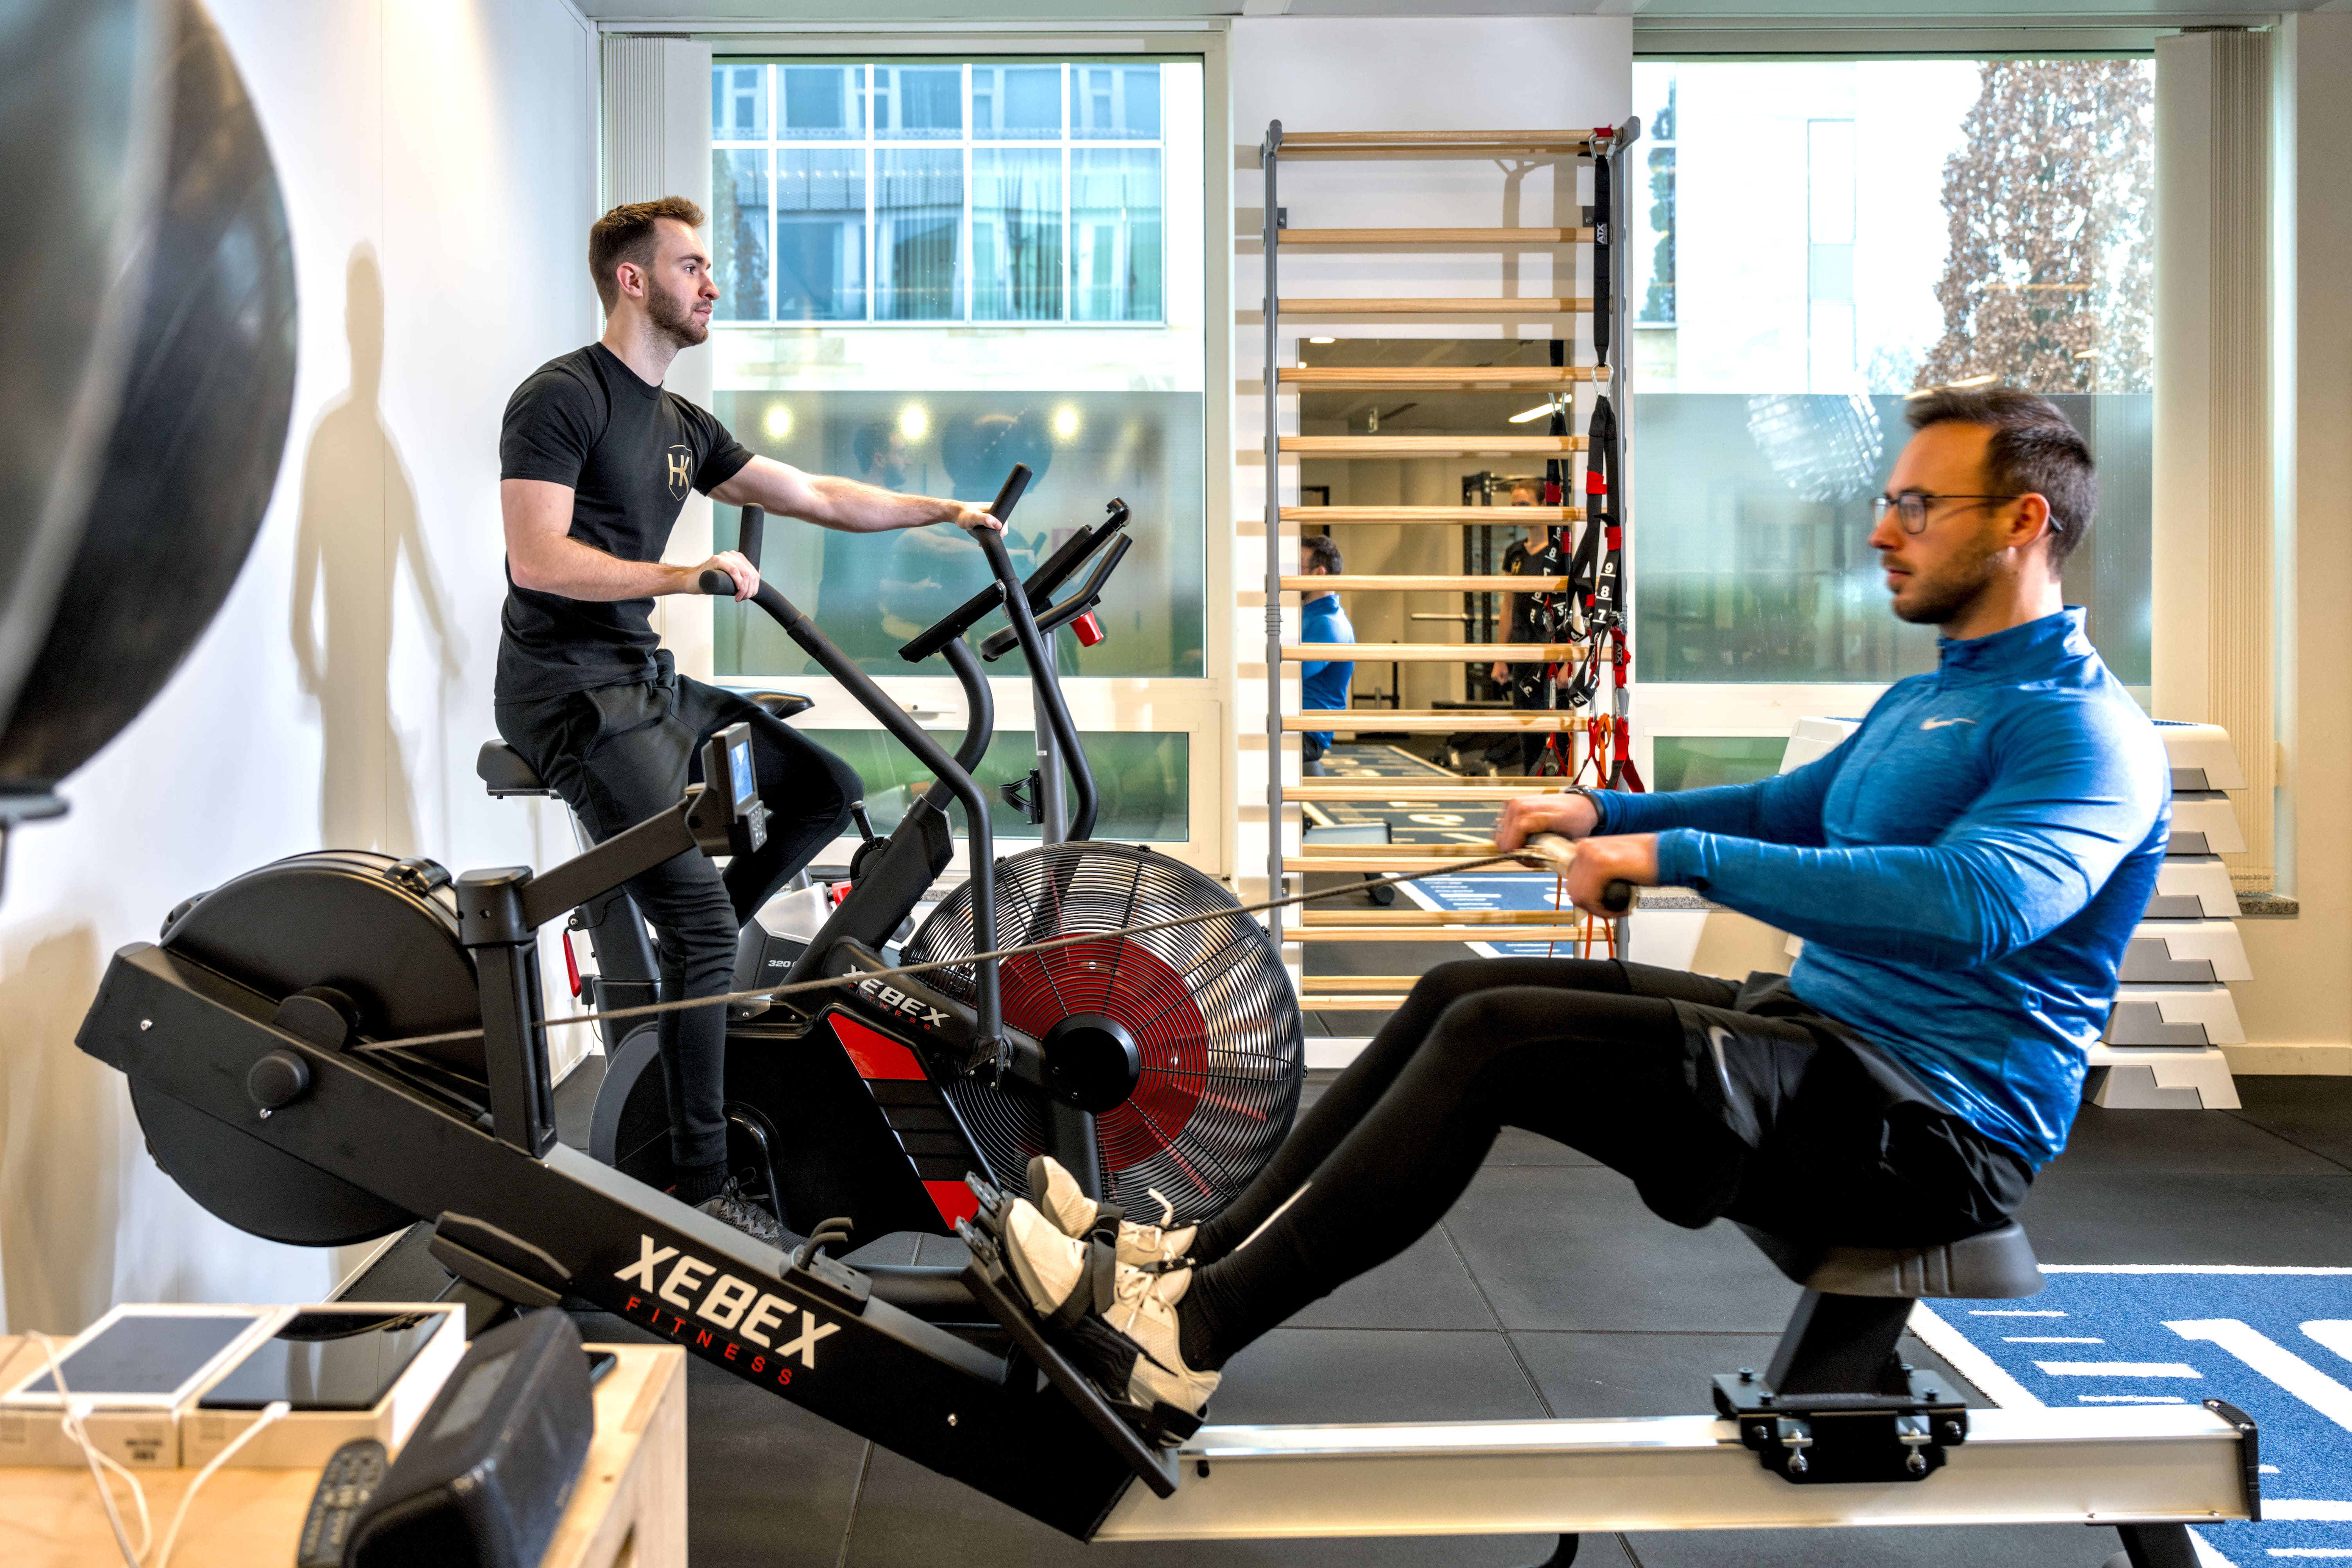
60, 1117
359, 521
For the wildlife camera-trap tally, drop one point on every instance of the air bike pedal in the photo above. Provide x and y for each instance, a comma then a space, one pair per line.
1144, 1438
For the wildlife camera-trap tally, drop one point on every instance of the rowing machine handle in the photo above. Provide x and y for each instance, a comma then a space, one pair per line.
1617, 897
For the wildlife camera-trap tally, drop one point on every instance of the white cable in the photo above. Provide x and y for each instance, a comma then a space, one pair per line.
69, 1422
270, 1412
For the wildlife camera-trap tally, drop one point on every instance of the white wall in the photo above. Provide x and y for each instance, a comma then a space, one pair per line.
438, 161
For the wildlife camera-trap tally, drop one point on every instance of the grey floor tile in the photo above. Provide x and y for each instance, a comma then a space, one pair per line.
1517, 1146
576, 1101
2096, 1218
1557, 1248
1589, 1376
1425, 1286
2183, 1142
2315, 1113
1323, 1375
2013, 1546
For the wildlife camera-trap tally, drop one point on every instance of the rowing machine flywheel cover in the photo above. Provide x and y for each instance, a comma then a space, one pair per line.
1208, 1007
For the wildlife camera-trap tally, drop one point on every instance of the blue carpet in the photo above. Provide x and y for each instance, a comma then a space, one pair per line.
2275, 1342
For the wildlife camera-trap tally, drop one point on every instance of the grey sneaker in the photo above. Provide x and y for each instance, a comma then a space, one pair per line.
732, 1208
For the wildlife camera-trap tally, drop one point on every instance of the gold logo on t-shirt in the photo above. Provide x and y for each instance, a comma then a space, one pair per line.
681, 471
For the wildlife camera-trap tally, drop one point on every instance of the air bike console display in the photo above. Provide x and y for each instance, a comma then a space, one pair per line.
340, 1044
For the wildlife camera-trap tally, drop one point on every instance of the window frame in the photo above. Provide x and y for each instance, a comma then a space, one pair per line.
869, 143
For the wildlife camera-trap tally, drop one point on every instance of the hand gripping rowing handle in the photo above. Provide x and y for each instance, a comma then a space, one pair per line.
1554, 853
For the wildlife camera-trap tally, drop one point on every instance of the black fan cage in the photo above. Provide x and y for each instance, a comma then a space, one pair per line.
1208, 1005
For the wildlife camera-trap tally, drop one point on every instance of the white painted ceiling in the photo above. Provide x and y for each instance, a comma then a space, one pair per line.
719, 14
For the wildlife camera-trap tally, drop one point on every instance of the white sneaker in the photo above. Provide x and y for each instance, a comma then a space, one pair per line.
1127, 1336
1053, 1190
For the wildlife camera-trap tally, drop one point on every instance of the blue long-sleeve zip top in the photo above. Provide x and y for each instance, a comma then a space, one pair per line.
1966, 869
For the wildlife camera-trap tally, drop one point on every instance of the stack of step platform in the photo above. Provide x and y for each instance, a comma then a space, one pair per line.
2174, 1013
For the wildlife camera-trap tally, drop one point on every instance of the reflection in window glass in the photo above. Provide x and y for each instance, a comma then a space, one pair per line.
1114, 103
739, 103
1016, 233
917, 221
1772, 361
1115, 247
1143, 778
873, 592
739, 209
1702, 762
919, 103
823, 102
1016, 102
819, 236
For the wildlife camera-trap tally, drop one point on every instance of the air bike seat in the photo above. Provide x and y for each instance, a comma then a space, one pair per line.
504, 772
1837, 1403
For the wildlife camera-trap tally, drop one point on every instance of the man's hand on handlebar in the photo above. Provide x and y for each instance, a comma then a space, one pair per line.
732, 563
971, 520
1622, 858
1571, 816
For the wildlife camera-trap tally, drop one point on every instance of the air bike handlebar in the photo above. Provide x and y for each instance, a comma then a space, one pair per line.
987, 1002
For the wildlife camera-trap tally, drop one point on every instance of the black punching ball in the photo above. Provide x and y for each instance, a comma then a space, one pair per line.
177, 488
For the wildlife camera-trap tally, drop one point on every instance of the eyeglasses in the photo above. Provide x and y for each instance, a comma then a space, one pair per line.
1911, 507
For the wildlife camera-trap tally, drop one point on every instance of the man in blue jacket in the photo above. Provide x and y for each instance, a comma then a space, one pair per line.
1966, 871
1322, 682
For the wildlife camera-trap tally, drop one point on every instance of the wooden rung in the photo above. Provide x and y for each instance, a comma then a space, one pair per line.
1388, 866
1351, 1003
1434, 447
1313, 985
1435, 377
1469, 721
1520, 308
1471, 237
1415, 789
1492, 582
1435, 652
1425, 933
1498, 516
1430, 143
1384, 920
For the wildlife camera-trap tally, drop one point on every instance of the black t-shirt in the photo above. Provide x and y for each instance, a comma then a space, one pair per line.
630, 452
1523, 604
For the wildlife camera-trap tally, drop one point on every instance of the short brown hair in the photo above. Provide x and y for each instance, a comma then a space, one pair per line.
2034, 450
1322, 552
627, 234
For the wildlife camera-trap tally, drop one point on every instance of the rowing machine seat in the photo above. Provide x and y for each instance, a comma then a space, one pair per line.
501, 767
1996, 1263
780, 704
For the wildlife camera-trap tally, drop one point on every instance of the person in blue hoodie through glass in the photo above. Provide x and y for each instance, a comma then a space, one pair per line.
1965, 872
1322, 682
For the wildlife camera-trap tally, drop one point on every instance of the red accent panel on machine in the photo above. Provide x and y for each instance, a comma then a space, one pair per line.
875, 1054
1089, 629
955, 1201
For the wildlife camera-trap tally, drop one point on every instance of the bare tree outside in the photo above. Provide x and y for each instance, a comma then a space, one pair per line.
2050, 281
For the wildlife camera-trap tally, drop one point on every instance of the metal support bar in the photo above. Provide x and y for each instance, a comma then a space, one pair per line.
2138, 1465
1269, 158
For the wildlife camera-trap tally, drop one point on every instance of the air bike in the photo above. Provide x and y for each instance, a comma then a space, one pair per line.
1168, 1065
339, 1045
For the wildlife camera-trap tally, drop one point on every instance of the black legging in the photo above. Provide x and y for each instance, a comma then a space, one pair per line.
1588, 1053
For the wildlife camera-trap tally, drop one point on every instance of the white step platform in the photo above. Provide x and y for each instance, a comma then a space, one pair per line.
2175, 1017
2185, 952
2159, 1078
2192, 887
2202, 756
2204, 823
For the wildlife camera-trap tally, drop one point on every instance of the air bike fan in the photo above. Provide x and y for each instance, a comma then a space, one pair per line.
1206, 1007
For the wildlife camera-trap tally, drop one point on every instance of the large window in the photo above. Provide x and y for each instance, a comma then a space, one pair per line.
1029, 191
935, 269
1811, 243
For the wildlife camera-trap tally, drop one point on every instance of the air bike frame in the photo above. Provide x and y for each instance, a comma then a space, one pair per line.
522, 1219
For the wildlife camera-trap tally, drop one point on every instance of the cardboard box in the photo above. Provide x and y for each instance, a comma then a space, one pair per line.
138, 1365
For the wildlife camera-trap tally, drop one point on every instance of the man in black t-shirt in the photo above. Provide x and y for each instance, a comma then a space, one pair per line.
596, 460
